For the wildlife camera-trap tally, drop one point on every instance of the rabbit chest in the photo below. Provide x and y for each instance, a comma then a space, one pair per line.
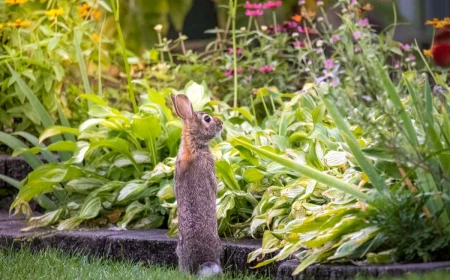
195, 191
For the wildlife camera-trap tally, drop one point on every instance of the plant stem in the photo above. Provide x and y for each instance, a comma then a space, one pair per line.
274, 15
115, 7
253, 109
233, 7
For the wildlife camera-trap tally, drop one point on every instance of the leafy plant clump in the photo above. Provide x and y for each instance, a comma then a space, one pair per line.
329, 152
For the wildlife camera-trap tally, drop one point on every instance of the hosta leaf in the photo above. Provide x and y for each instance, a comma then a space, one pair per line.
118, 145
382, 257
139, 156
130, 213
149, 222
57, 130
132, 189
257, 222
166, 192
84, 185
253, 175
44, 220
199, 95
146, 128
334, 158
357, 239
224, 204
226, 174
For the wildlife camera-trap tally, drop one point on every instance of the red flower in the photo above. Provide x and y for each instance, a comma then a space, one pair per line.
441, 48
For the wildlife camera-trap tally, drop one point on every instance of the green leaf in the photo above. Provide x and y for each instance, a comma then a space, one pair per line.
57, 130
78, 35
118, 145
355, 148
14, 143
312, 258
37, 105
252, 174
304, 170
224, 204
199, 95
94, 98
44, 220
34, 141
131, 190
84, 185
226, 174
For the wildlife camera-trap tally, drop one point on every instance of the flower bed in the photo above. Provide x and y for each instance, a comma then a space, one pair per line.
335, 143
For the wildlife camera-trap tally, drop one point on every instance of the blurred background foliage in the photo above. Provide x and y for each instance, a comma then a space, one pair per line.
193, 17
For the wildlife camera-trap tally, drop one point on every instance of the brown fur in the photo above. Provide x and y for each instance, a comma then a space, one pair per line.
196, 190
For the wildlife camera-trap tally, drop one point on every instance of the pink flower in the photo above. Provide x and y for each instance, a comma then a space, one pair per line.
357, 49
249, 5
291, 24
335, 38
364, 22
254, 13
306, 30
238, 51
298, 44
319, 3
357, 35
272, 5
230, 72
266, 69
301, 2
405, 47
397, 64
411, 57
329, 64
354, 2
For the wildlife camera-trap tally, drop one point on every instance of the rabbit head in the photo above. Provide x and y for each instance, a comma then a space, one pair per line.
200, 126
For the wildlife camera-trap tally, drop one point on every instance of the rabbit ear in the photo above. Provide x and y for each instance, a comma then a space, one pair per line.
182, 105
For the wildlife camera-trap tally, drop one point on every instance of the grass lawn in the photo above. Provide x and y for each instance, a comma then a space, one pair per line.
438, 275
55, 265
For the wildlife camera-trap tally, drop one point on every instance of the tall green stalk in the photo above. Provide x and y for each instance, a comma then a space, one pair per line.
233, 8
115, 8
305, 170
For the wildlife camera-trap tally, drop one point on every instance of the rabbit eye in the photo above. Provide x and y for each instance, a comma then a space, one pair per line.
207, 118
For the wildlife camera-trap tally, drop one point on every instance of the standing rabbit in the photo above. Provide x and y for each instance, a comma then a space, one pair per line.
199, 245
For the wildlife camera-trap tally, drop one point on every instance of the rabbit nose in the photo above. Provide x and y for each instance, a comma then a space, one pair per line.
218, 121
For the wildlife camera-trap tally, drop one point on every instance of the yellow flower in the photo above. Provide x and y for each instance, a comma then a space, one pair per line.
432, 22
15, 2
96, 14
95, 37
436, 23
54, 13
1, 25
83, 10
19, 23
427, 52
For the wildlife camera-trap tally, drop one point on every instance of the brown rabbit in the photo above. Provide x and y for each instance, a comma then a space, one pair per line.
199, 245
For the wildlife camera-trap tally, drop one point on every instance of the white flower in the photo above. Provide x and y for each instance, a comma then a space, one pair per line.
243, 28
158, 27
263, 28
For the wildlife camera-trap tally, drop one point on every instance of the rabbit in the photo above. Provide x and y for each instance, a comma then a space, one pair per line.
195, 184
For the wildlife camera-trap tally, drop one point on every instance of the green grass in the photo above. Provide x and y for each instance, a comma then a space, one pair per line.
438, 275
55, 265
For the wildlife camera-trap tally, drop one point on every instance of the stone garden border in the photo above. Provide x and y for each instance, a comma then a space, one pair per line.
155, 247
